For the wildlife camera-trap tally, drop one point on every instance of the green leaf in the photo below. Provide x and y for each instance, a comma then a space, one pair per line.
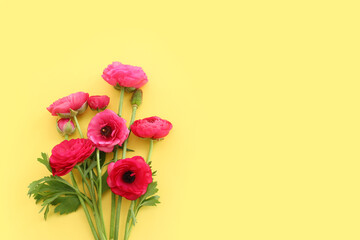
105, 186
151, 190
67, 204
54, 190
45, 160
46, 211
90, 167
152, 201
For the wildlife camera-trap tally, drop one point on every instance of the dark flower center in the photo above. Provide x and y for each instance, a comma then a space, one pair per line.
106, 131
128, 177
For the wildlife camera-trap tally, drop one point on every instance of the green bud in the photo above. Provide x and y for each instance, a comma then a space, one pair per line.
136, 98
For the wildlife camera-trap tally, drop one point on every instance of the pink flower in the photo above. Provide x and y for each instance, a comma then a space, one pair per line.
106, 130
129, 177
67, 154
124, 75
152, 127
98, 102
76, 102
65, 126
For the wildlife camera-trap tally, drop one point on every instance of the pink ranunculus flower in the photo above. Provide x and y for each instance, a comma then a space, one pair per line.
65, 126
76, 102
118, 74
67, 154
107, 130
129, 177
98, 102
152, 127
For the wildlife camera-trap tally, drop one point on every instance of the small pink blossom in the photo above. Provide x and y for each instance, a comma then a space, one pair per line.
98, 102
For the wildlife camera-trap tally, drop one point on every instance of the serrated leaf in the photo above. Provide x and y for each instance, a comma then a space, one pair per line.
67, 204
46, 212
151, 190
45, 160
151, 201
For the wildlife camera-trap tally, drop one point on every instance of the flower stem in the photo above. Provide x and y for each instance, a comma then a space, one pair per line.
150, 150
78, 127
85, 208
128, 220
118, 206
122, 91
100, 189
133, 114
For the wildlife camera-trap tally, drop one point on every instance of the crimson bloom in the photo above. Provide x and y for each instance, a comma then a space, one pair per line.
129, 177
106, 130
77, 102
124, 75
98, 102
152, 127
67, 154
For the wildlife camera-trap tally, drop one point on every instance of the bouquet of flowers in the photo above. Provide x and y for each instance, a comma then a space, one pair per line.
107, 132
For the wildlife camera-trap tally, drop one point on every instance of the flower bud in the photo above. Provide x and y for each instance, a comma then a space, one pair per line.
65, 126
136, 98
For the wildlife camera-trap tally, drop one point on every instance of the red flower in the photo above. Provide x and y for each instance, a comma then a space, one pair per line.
124, 75
67, 154
129, 177
76, 102
106, 130
98, 102
152, 127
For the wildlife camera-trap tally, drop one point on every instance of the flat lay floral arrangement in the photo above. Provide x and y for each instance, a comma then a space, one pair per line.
107, 133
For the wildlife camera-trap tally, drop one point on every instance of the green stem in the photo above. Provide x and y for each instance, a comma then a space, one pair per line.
85, 208
100, 188
150, 150
117, 219
122, 91
66, 137
118, 206
128, 220
78, 127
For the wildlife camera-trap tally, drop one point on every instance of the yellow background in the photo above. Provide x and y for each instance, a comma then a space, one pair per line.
263, 95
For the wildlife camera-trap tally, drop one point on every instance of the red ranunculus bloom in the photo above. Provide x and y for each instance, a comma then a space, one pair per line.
98, 102
67, 154
129, 177
152, 127
106, 130
124, 75
76, 102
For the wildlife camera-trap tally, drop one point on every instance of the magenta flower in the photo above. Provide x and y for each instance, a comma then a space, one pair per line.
152, 127
77, 102
124, 75
107, 130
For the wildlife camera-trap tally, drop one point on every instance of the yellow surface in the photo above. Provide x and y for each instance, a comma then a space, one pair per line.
263, 95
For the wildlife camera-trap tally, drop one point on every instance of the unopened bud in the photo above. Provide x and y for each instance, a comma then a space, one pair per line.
65, 126
136, 98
